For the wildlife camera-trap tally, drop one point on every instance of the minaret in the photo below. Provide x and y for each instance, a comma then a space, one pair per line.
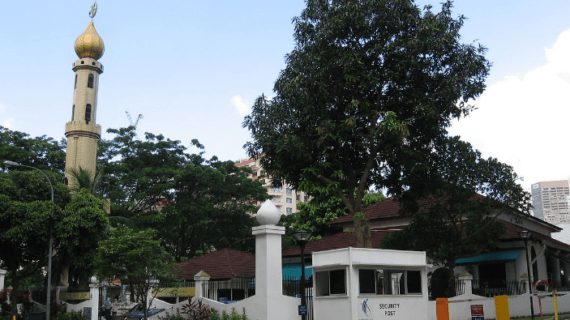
82, 131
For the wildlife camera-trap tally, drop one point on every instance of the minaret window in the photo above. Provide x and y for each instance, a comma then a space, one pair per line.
90, 80
87, 114
75, 85
73, 113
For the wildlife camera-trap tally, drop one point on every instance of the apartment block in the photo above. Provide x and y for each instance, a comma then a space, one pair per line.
550, 201
285, 198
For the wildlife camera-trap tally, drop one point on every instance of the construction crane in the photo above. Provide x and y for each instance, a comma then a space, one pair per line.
135, 123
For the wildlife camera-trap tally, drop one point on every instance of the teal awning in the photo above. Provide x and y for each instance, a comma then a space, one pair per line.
499, 256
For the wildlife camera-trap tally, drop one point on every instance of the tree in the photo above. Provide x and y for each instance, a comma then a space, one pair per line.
40, 152
454, 221
26, 218
315, 215
82, 226
368, 90
210, 208
195, 204
138, 175
136, 258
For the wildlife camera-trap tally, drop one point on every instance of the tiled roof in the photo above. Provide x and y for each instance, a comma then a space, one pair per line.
245, 162
337, 241
513, 234
221, 264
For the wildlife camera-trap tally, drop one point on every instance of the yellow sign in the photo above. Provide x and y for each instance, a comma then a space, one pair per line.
74, 296
175, 292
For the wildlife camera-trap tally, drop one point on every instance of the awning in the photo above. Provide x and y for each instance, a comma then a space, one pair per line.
492, 257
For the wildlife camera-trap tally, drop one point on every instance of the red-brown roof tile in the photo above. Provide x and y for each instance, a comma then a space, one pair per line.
221, 264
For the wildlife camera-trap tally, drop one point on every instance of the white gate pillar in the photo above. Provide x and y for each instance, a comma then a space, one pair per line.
268, 266
94, 302
200, 279
2, 275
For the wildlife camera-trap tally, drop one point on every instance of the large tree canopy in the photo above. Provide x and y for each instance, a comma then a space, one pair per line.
454, 221
196, 204
369, 88
26, 215
210, 208
40, 152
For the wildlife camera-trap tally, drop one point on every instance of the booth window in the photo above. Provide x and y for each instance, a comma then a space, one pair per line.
390, 282
331, 282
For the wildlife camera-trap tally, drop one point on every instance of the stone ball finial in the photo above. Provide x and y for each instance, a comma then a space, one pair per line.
268, 214
94, 280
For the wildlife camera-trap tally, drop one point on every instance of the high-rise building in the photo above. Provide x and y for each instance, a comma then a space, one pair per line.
550, 201
82, 131
285, 198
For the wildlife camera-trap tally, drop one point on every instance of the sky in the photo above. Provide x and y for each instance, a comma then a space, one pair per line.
194, 68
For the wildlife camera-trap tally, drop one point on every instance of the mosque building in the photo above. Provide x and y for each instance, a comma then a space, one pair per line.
83, 132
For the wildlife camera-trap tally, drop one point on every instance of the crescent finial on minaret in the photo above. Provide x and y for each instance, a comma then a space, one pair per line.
93, 10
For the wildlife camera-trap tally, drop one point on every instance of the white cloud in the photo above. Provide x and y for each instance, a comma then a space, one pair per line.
240, 105
525, 122
6, 122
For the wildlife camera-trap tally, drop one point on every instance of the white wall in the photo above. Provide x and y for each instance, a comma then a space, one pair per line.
519, 306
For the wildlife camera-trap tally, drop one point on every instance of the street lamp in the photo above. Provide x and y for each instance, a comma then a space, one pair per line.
302, 238
525, 235
9, 163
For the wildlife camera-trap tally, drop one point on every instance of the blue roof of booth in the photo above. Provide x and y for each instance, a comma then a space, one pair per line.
499, 256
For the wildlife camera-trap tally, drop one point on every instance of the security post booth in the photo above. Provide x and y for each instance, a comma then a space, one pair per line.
366, 284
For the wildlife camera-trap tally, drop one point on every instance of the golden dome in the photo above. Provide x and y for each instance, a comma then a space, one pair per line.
89, 44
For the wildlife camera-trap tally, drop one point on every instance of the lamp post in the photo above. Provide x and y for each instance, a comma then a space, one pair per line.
9, 163
302, 238
525, 235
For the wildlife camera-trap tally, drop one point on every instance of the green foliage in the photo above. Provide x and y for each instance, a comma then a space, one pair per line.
225, 316
453, 221
209, 209
138, 174
40, 152
134, 257
82, 226
84, 179
315, 215
194, 203
71, 315
26, 217
369, 88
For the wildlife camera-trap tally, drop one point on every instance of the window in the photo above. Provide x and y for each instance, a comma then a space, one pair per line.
298, 198
87, 113
390, 282
276, 189
331, 282
276, 199
306, 199
75, 85
72, 112
90, 80
289, 200
289, 210
288, 190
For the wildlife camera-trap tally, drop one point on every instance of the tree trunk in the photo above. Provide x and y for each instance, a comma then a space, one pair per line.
362, 231
13, 295
451, 279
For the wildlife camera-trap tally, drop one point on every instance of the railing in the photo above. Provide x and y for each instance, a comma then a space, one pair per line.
498, 288
292, 288
485, 288
229, 291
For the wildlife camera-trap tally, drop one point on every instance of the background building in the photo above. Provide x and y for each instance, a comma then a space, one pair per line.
550, 201
284, 198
